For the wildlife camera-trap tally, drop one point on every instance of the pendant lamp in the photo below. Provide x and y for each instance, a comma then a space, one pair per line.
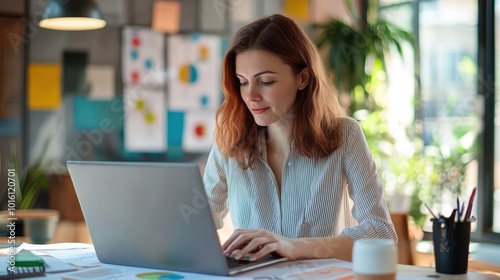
72, 15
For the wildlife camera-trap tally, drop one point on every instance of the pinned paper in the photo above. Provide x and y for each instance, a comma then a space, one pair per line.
145, 116
143, 57
194, 67
44, 88
166, 16
297, 9
94, 114
198, 134
101, 79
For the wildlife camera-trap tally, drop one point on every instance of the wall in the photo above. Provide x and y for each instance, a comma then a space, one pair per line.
104, 47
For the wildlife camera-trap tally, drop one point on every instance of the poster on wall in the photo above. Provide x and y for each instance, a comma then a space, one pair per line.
194, 67
145, 117
44, 87
198, 133
143, 57
101, 80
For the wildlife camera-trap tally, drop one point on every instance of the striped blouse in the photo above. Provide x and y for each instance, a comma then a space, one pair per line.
339, 194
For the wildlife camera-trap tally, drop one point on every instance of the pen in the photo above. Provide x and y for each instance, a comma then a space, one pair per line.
469, 205
462, 209
425, 204
458, 210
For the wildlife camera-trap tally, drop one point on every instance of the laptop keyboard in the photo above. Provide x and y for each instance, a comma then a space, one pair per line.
232, 262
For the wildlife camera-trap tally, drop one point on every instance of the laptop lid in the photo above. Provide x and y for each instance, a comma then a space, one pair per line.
153, 215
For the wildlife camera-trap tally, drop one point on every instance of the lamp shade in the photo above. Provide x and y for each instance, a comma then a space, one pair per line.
72, 15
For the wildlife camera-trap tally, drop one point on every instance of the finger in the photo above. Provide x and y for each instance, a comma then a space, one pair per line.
235, 252
241, 241
266, 249
252, 246
233, 237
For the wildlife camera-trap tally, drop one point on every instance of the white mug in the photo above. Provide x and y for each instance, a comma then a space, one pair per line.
374, 259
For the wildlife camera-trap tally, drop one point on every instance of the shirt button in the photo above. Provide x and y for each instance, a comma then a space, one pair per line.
289, 163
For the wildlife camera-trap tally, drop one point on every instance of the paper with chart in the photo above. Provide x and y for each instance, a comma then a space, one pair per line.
143, 57
198, 132
145, 117
305, 269
194, 71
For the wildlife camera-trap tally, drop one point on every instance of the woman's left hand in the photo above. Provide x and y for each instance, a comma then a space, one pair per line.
259, 242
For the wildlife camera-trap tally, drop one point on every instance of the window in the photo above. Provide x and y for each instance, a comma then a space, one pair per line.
448, 61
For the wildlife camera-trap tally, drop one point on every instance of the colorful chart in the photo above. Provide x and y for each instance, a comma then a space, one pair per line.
188, 74
195, 72
199, 128
143, 57
144, 120
159, 275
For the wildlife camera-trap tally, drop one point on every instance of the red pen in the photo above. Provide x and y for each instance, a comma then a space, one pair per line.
469, 206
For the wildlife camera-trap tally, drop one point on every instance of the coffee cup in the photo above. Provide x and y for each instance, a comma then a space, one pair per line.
374, 259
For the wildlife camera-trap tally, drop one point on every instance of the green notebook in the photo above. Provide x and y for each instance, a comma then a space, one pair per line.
26, 264
25, 258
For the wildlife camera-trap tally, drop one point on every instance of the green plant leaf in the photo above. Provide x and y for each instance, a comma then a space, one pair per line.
32, 179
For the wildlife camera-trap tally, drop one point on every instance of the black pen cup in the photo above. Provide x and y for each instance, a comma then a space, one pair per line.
451, 246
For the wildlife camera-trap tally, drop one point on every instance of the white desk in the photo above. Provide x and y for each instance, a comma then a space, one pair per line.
83, 256
309, 269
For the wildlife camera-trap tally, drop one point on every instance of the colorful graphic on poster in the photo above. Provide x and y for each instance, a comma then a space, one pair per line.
145, 116
194, 71
159, 276
143, 57
198, 134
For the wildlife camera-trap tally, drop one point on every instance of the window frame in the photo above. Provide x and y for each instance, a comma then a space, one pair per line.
486, 90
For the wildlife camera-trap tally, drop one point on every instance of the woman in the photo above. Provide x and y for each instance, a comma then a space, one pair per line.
297, 175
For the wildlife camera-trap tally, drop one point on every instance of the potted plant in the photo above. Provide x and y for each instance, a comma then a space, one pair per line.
28, 185
356, 53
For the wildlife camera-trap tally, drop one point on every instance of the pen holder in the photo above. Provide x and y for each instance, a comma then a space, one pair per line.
451, 246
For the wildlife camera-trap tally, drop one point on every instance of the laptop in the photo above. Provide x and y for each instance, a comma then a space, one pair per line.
153, 215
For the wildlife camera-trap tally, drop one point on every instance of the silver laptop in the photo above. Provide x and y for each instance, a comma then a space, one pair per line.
153, 215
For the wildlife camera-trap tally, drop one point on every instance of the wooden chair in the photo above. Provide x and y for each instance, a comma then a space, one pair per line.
405, 252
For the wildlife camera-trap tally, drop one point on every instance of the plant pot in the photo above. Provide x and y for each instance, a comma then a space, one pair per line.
39, 224
5, 230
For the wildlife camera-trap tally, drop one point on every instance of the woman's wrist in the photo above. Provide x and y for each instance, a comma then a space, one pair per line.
339, 247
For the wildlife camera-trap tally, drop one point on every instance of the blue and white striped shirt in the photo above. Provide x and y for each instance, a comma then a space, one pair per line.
339, 194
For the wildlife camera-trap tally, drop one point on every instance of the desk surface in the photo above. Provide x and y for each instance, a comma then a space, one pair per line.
311, 269
83, 257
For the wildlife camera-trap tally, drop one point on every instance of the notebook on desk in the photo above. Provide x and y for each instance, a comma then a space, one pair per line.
153, 215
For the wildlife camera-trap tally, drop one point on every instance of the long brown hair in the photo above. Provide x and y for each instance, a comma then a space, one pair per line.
316, 132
